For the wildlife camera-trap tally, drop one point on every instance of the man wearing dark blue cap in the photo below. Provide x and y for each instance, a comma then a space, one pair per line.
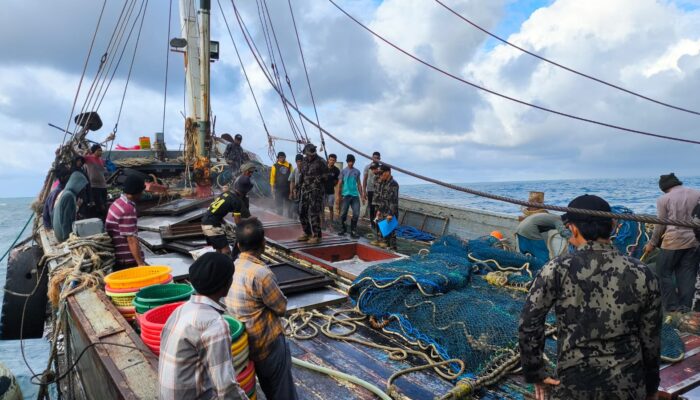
608, 310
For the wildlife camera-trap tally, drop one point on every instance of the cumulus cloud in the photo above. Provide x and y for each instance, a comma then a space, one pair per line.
378, 99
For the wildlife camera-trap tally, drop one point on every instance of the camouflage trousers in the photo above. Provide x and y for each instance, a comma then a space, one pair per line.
390, 239
310, 209
562, 392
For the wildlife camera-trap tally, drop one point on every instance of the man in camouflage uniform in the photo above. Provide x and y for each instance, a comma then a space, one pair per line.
234, 154
386, 200
314, 172
608, 310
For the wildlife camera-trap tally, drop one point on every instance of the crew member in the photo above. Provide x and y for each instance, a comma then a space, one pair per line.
350, 190
280, 173
67, 205
95, 166
121, 224
314, 173
257, 301
195, 346
294, 185
678, 256
386, 202
330, 186
608, 311
230, 201
533, 233
62, 174
368, 186
234, 154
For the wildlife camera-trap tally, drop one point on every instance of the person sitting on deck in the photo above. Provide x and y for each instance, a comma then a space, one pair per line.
62, 174
67, 204
195, 346
121, 225
533, 233
227, 202
677, 264
608, 317
257, 301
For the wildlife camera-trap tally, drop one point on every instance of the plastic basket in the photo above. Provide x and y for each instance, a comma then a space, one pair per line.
150, 342
154, 320
235, 326
123, 301
240, 344
137, 277
253, 396
247, 374
240, 360
150, 336
164, 294
108, 289
249, 386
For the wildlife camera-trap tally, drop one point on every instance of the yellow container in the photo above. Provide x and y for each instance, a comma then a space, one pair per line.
138, 277
145, 143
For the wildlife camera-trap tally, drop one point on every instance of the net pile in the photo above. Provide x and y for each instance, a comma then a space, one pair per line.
629, 236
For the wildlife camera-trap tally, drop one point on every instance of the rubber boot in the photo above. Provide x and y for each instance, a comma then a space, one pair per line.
303, 238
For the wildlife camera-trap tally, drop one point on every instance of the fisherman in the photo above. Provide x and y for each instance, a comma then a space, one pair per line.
245, 181
121, 225
62, 174
294, 185
230, 201
350, 190
257, 301
386, 201
368, 186
330, 186
195, 346
78, 165
533, 233
95, 166
679, 255
234, 154
280, 173
608, 317
67, 205
314, 173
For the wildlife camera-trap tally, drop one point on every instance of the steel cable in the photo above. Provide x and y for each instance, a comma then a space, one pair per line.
556, 64
630, 217
503, 96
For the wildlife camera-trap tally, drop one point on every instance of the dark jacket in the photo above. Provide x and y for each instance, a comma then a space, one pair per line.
49, 203
66, 207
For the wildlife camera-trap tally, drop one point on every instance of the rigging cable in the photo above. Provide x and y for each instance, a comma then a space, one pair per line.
308, 82
271, 151
167, 64
82, 76
556, 64
513, 99
630, 217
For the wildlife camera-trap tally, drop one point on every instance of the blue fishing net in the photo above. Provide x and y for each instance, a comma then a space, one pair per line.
629, 236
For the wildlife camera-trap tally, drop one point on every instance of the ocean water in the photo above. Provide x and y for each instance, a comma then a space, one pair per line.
637, 194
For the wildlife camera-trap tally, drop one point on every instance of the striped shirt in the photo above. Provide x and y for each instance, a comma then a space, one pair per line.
195, 354
256, 300
120, 223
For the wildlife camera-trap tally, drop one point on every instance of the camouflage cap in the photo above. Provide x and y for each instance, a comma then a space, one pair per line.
248, 166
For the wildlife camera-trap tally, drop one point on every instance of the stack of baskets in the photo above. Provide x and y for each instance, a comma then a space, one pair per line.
157, 295
122, 286
245, 369
152, 323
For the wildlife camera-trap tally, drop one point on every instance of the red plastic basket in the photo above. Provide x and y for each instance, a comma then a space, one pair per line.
154, 349
243, 376
150, 336
154, 320
150, 342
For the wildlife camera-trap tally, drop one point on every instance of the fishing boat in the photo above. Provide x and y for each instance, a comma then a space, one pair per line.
97, 353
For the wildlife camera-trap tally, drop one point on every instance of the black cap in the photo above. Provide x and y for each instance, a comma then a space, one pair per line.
349, 158
134, 185
281, 154
668, 181
299, 157
384, 168
374, 165
309, 148
238, 137
243, 184
95, 147
211, 272
586, 202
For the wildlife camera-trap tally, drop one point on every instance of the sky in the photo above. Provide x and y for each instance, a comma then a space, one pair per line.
374, 97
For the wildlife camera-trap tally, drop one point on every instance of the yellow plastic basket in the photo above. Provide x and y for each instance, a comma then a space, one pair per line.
240, 344
123, 301
137, 277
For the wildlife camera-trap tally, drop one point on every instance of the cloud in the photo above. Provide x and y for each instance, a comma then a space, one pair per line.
375, 98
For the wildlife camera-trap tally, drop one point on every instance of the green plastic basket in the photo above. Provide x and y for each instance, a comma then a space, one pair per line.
164, 294
235, 326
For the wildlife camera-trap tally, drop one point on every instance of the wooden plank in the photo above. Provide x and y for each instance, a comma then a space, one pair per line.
682, 376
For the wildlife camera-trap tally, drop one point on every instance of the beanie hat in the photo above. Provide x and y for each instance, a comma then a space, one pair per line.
211, 272
134, 185
587, 202
668, 181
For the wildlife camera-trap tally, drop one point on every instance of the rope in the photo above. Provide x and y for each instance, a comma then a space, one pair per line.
409, 232
308, 81
504, 41
167, 64
629, 217
513, 99
342, 375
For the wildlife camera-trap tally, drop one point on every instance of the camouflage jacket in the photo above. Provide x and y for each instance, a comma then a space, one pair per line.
313, 174
386, 197
234, 154
608, 311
